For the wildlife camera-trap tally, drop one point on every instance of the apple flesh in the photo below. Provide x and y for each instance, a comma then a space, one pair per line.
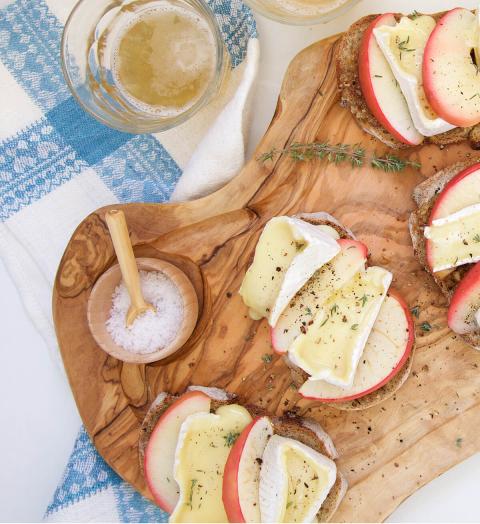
329, 278
388, 347
465, 303
380, 89
450, 76
241, 475
160, 452
462, 191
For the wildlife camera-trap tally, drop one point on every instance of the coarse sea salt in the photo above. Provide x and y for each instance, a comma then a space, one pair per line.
152, 330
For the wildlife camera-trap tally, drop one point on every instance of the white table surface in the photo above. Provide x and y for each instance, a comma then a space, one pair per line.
39, 420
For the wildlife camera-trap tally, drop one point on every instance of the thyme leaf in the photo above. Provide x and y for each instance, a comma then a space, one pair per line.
193, 482
426, 326
402, 45
324, 322
267, 358
230, 438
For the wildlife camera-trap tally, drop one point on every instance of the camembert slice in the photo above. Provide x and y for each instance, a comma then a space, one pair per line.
294, 481
455, 239
202, 450
403, 46
288, 252
332, 346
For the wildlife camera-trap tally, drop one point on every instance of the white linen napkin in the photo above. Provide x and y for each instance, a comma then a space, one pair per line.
221, 153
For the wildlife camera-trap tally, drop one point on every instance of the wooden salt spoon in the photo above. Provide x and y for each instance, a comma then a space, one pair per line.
117, 226
100, 300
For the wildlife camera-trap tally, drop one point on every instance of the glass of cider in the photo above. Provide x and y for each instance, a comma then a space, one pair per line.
143, 66
301, 12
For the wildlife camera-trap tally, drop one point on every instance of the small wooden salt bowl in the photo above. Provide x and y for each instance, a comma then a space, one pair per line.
100, 303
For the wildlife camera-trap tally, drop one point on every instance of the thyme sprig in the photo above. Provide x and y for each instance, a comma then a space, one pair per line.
337, 154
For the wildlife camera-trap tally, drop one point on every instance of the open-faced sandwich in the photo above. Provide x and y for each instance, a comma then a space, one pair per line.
445, 231
346, 335
207, 458
413, 79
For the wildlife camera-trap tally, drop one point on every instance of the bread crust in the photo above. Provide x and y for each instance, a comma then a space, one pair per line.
351, 94
299, 376
305, 430
425, 196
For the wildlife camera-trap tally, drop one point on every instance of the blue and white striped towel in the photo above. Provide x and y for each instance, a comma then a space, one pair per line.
57, 164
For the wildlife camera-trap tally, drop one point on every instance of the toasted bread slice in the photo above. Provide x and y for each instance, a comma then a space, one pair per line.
305, 430
425, 195
352, 97
299, 376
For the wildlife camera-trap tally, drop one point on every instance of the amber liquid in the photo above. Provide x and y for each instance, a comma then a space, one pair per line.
307, 8
165, 60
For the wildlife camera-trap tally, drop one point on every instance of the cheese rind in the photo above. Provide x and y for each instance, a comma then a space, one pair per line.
332, 346
403, 46
294, 481
287, 254
455, 239
202, 450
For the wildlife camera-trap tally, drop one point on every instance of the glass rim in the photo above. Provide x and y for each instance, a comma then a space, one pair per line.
290, 18
151, 125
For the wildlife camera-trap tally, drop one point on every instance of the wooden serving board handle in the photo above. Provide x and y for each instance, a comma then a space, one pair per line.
387, 451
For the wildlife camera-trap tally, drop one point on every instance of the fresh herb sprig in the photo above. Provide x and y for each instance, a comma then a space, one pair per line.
337, 154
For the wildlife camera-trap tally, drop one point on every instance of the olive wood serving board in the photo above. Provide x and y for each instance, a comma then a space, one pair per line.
387, 451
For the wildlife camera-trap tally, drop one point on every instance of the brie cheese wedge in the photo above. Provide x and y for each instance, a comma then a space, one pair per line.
327, 280
203, 446
384, 350
403, 46
288, 252
455, 239
333, 344
294, 481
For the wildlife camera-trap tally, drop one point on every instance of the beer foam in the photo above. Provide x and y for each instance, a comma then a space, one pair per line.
204, 47
307, 8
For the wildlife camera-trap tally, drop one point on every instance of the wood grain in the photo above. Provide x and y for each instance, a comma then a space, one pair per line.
388, 451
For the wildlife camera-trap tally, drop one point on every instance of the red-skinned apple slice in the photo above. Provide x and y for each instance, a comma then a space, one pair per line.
242, 472
450, 77
460, 192
388, 348
381, 91
296, 316
160, 451
465, 303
